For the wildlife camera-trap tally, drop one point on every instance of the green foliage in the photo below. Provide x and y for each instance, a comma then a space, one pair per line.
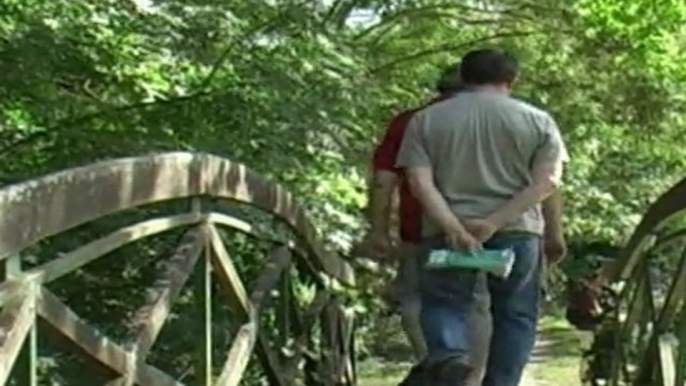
300, 91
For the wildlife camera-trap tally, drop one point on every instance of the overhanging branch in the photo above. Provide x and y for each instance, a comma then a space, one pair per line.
448, 47
81, 119
440, 10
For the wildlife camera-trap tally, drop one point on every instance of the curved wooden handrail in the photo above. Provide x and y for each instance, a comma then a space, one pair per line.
40, 208
664, 209
649, 356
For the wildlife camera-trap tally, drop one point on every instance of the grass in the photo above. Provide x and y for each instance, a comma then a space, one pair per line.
557, 358
374, 372
555, 361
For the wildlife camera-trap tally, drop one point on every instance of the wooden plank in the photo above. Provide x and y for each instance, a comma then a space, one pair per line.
76, 259
34, 210
25, 366
16, 322
275, 270
637, 303
335, 344
665, 208
52, 204
681, 356
675, 297
149, 319
10, 289
346, 332
239, 356
648, 348
32, 354
301, 343
223, 179
309, 318
276, 373
203, 300
283, 310
229, 279
232, 222
277, 263
93, 343
666, 345
245, 340
25, 369
247, 229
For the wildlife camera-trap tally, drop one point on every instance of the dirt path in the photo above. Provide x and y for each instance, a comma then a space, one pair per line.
556, 359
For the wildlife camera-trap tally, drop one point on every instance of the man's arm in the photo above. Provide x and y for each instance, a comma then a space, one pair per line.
554, 245
552, 213
414, 157
381, 190
546, 172
376, 243
544, 183
422, 184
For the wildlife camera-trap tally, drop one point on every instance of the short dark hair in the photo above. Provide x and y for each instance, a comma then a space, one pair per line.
489, 66
450, 80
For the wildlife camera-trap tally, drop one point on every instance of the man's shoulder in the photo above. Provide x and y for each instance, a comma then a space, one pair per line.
403, 116
527, 108
398, 123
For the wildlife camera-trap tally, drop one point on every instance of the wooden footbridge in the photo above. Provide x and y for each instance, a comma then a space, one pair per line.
133, 272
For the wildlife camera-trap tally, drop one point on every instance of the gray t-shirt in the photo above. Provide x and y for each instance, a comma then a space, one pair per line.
482, 147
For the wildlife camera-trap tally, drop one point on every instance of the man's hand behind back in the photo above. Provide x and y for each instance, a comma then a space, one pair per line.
481, 229
461, 239
375, 246
554, 248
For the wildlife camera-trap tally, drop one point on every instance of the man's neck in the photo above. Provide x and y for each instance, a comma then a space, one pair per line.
491, 89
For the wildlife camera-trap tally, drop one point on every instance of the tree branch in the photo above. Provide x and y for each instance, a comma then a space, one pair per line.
448, 47
434, 10
201, 91
79, 120
240, 41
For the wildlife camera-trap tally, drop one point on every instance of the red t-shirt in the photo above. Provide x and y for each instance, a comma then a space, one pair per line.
384, 159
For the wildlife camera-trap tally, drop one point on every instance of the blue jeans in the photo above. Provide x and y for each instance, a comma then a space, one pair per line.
448, 297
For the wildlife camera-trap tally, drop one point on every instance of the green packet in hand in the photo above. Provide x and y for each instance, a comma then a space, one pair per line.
498, 262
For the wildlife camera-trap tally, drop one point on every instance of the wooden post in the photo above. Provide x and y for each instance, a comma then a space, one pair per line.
283, 312
203, 301
681, 354
25, 365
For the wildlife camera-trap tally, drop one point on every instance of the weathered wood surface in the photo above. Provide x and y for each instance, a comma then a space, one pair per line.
38, 209
229, 279
146, 323
76, 259
34, 210
95, 344
646, 317
244, 343
149, 319
666, 345
665, 208
16, 320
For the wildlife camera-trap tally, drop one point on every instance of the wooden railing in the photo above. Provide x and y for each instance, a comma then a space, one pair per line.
313, 335
646, 333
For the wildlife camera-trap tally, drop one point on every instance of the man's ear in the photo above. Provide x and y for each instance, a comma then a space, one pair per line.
511, 83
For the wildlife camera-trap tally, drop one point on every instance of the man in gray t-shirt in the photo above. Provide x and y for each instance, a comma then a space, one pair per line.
481, 164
